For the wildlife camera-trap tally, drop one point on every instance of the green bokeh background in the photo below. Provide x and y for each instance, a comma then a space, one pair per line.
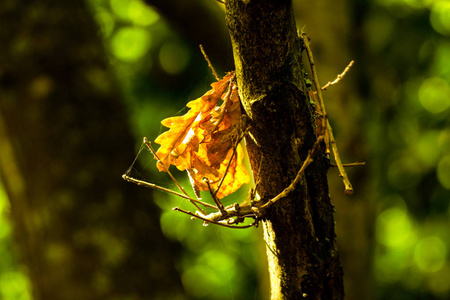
406, 132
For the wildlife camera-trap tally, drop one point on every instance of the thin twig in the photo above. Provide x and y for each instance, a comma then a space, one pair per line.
149, 146
213, 195
209, 62
214, 222
337, 157
128, 171
355, 164
339, 77
154, 186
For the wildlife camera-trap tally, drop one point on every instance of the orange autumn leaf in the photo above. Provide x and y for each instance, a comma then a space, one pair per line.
235, 177
202, 140
182, 129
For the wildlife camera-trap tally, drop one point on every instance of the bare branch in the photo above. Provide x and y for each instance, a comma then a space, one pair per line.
157, 187
355, 164
339, 77
207, 220
337, 157
209, 62
149, 146
213, 195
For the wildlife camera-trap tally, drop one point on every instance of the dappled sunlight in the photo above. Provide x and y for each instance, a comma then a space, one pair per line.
434, 94
440, 16
395, 229
428, 148
408, 252
141, 14
430, 254
174, 57
135, 11
106, 21
131, 43
14, 286
14, 281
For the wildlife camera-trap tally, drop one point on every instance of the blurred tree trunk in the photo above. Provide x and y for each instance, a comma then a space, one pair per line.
299, 229
335, 41
65, 141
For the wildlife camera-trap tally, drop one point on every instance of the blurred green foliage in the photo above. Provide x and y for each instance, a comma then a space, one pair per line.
408, 134
14, 282
410, 141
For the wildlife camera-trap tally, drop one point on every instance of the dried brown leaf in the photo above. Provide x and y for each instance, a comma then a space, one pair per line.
202, 140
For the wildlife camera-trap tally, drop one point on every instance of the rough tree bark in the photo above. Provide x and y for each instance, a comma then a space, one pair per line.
65, 141
299, 230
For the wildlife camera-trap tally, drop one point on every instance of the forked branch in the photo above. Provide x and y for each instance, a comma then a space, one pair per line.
337, 157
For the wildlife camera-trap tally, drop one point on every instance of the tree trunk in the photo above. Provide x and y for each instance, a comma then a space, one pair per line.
299, 229
84, 232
